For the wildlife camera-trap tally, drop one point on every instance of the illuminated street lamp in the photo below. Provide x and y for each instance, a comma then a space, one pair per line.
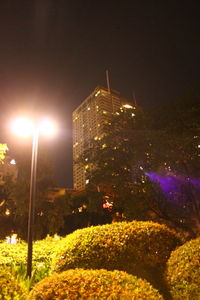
24, 127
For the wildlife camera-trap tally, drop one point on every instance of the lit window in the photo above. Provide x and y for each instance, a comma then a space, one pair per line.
97, 93
127, 106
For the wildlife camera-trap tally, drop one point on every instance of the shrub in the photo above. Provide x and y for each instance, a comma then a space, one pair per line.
43, 251
93, 284
15, 256
11, 288
183, 271
120, 246
13, 253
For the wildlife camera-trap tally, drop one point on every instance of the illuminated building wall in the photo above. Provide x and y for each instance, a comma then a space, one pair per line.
88, 120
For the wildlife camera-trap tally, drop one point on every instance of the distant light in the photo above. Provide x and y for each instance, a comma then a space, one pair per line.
198, 146
7, 212
12, 239
133, 115
87, 181
13, 162
127, 106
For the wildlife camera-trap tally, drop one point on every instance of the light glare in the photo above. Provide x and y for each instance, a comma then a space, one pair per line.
22, 127
47, 127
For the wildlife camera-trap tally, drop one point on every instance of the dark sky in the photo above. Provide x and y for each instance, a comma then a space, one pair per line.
53, 53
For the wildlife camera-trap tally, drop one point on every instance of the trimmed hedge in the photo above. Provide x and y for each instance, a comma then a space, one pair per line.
93, 284
10, 287
15, 257
16, 254
43, 251
119, 246
183, 271
13, 254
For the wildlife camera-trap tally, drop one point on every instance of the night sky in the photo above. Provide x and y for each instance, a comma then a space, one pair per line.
53, 53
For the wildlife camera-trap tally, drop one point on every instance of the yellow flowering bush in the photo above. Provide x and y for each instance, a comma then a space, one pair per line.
93, 284
183, 271
16, 254
11, 288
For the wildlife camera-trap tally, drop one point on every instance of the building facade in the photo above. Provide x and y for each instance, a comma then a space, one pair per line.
88, 121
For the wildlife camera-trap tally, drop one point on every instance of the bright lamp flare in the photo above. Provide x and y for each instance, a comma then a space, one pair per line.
22, 127
47, 127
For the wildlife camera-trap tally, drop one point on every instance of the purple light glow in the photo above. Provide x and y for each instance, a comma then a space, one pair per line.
174, 187
195, 182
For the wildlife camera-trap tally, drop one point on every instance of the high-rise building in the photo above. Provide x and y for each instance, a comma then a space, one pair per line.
88, 120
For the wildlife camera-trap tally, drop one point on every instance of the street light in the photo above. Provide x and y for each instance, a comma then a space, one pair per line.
24, 127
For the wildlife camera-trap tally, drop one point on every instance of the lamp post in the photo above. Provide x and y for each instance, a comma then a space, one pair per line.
25, 127
32, 202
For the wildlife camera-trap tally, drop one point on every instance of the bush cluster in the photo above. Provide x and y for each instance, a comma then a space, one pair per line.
13, 254
10, 287
16, 254
93, 284
120, 246
183, 271
43, 251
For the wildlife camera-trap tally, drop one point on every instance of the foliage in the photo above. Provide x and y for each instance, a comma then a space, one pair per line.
119, 246
93, 284
47, 209
175, 152
164, 141
15, 256
111, 159
183, 271
7, 206
11, 287
3, 150
43, 251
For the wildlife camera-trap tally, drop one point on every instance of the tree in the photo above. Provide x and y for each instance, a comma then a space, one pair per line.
49, 214
135, 145
178, 159
111, 159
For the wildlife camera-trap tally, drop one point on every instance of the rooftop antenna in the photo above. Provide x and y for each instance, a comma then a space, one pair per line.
108, 87
134, 99
108, 81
